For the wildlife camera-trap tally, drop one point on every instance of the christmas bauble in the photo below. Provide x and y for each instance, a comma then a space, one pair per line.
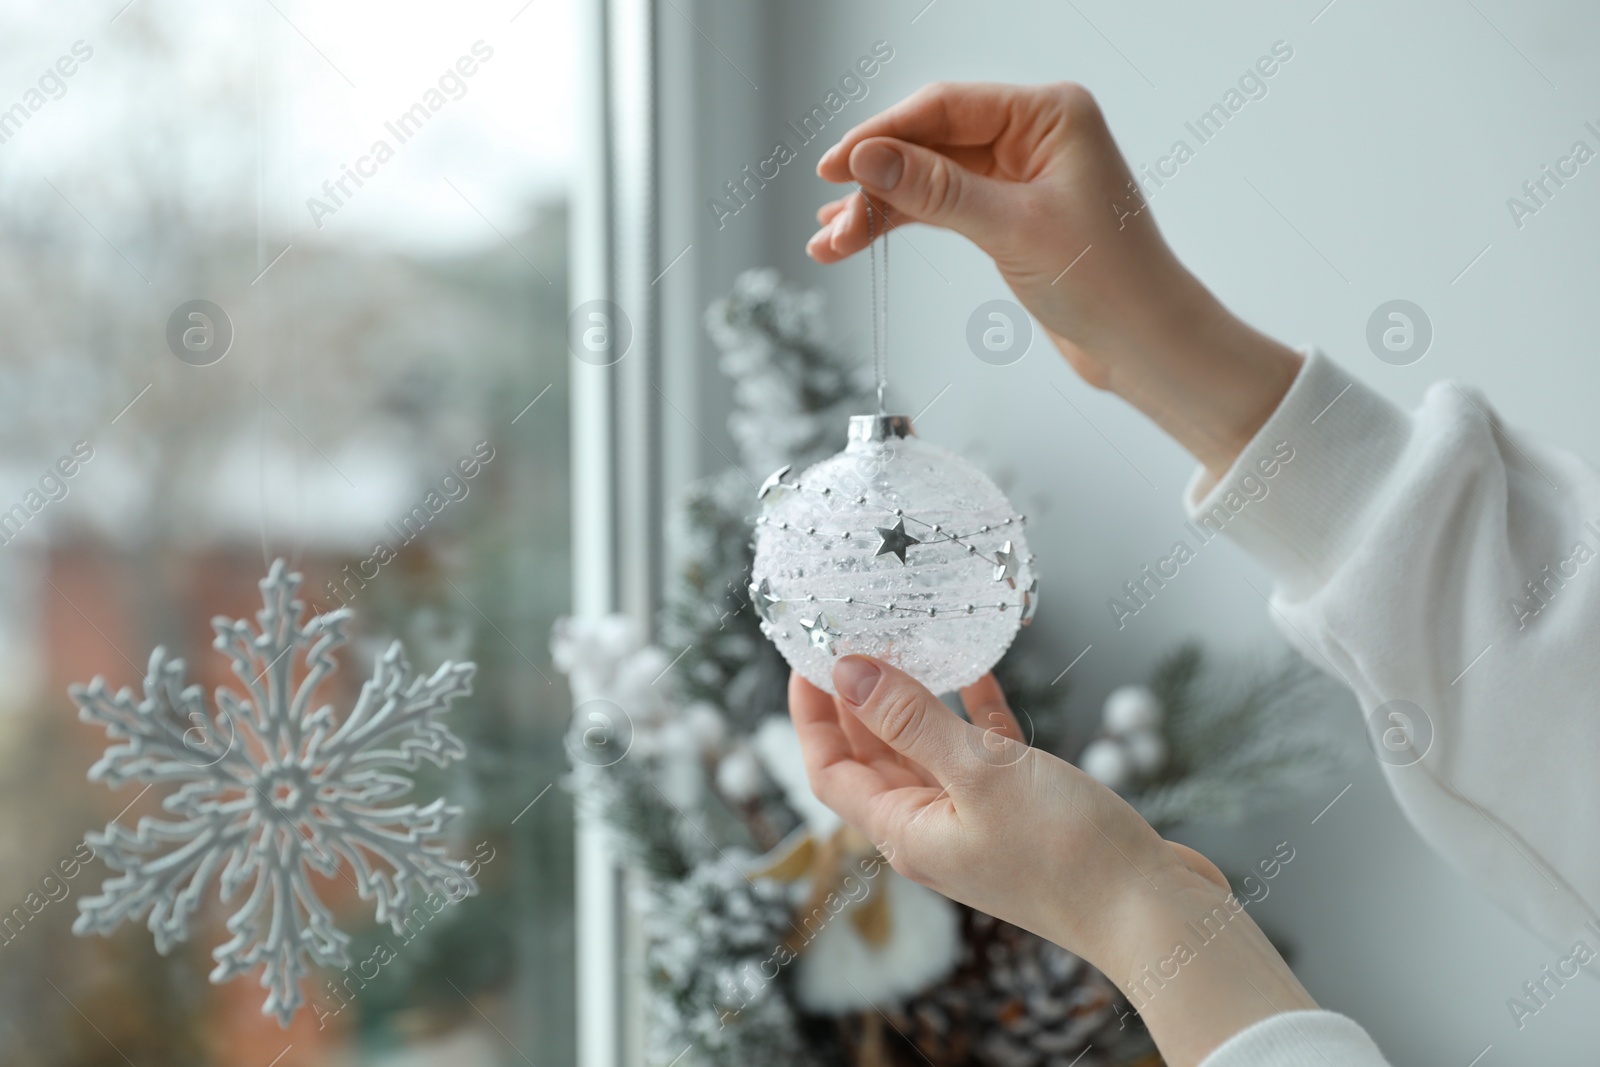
893, 548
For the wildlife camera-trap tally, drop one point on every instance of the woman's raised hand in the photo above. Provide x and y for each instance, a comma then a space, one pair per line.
1033, 177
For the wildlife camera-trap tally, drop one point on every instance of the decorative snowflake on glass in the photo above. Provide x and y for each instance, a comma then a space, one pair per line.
271, 790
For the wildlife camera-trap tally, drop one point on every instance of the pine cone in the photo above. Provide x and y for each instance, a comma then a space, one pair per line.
1016, 1000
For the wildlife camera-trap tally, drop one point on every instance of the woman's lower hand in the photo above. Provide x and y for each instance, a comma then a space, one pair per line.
970, 810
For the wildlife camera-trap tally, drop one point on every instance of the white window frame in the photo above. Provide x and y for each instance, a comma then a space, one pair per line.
641, 236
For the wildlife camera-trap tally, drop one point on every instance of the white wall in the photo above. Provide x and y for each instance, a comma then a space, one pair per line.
1391, 141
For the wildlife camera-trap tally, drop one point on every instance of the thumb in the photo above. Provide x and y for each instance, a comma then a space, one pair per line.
929, 187
905, 715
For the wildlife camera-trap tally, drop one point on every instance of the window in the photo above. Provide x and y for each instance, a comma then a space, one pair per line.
276, 277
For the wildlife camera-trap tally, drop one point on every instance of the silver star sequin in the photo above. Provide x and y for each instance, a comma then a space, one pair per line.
896, 540
762, 598
820, 632
1006, 564
1030, 602
774, 480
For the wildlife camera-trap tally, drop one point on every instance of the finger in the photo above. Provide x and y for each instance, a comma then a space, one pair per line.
854, 214
839, 780
867, 745
816, 722
926, 186
852, 218
979, 159
856, 790
874, 751
988, 709
826, 213
841, 735
820, 246
971, 113
856, 202
909, 719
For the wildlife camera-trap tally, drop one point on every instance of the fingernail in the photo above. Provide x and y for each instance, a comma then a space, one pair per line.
855, 677
877, 165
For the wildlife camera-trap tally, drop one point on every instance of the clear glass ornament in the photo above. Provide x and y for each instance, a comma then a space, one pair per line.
894, 548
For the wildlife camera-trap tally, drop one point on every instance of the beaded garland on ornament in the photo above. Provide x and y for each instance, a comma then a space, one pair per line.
893, 548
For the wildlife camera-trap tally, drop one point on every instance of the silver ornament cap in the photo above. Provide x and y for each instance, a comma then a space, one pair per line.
867, 428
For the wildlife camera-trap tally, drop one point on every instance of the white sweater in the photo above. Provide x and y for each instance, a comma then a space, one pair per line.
1439, 559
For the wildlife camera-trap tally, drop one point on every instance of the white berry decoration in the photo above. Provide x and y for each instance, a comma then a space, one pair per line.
1107, 762
1132, 708
1147, 751
739, 775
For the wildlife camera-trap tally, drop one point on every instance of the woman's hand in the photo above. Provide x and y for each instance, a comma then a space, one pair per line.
1032, 175
970, 810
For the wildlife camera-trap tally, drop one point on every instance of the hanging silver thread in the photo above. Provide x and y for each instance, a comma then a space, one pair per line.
880, 352
872, 259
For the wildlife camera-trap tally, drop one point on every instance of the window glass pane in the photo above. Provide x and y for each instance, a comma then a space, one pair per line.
284, 280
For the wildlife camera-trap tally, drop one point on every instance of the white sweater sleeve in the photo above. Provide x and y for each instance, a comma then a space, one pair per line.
1447, 569
1299, 1039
